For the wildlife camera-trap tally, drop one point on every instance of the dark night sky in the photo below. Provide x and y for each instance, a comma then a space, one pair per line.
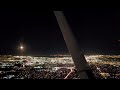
97, 31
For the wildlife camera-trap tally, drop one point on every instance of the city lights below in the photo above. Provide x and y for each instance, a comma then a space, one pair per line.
57, 67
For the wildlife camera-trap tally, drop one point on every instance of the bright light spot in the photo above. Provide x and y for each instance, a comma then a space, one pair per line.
21, 47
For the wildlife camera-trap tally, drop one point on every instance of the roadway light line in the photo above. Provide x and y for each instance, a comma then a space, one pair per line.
71, 70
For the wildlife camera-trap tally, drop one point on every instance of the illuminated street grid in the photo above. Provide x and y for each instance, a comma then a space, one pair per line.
57, 67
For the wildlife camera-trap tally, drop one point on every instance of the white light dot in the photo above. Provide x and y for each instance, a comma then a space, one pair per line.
21, 47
